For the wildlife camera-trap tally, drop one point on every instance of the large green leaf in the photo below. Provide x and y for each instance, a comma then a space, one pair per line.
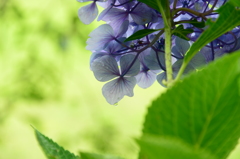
51, 149
169, 148
85, 155
228, 19
235, 2
203, 109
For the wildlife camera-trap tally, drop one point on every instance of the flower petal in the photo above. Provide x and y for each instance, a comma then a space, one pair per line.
115, 17
125, 64
162, 76
151, 61
198, 60
142, 14
83, 0
182, 45
123, 29
100, 37
96, 55
177, 65
145, 79
176, 53
105, 68
116, 89
88, 13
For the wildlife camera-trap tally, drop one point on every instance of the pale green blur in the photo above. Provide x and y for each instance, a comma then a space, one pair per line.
45, 81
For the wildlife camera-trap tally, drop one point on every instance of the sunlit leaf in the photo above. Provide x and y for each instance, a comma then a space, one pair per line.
202, 110
235, 2
85, 155
153, 147
52, 150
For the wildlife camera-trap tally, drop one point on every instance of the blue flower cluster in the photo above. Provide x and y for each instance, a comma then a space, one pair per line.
124, 64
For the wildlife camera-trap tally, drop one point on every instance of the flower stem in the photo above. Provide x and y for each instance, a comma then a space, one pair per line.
168, 57
166, 14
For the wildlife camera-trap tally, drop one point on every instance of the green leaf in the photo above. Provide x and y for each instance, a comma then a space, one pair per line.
203, 109
52, 150
169, 148
228, 19
85, 155
196, 23
152, 3
181, 32
235, 2
140, 34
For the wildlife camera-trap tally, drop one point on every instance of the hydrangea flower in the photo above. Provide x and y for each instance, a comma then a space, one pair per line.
120, 77
103, 35
88, 13
141, 61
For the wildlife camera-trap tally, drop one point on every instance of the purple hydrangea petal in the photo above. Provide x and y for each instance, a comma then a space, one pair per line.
116, 89
114, 46
96, 55
145, 78
219, 52
152, 62
199, 6
160, 24
88, 13
182, 45
143, 55
198, 60
177, 65
126, 62
207, 53
123, 29
162, 76
142, 14
84, 0
237, 47
105, 3
177, 53
127, 4
133, 27
100, 37
115, 17
104, 12
104, 30
105, 68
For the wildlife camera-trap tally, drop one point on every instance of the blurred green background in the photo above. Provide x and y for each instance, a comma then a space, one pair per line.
45, 81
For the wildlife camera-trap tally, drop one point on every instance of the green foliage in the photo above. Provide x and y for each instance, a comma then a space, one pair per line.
181, 32
141, 33
85, 155
153, 3
228, 19
196, 23
235, 2
36, 47
51, 149
202, 110
169, 148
